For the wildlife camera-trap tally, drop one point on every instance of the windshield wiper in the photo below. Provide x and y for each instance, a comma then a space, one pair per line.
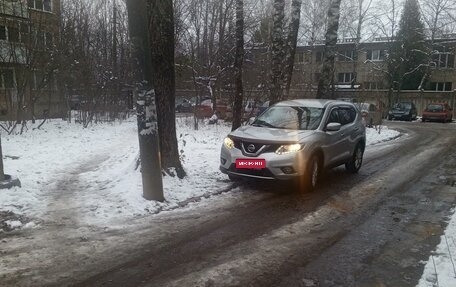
261, 123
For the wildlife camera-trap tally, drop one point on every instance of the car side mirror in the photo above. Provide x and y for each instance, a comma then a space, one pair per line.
333, 127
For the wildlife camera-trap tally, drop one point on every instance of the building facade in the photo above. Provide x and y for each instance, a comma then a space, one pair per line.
29, 33
363, 77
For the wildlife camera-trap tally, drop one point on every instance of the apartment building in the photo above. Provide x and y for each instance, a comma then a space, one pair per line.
29, 30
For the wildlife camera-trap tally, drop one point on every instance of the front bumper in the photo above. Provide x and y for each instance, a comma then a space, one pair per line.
400, 116
275, 164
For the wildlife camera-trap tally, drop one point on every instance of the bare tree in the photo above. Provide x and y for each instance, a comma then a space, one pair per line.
327, 76
161, 29
147, 116
277, 51
239, 58
292, 41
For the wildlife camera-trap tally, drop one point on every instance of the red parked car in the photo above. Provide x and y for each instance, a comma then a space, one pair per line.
438, 112
204, 109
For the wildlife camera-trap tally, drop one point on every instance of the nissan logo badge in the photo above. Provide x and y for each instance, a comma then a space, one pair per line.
251, 148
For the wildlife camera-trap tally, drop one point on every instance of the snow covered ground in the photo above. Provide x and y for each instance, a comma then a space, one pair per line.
67, 170
440, 269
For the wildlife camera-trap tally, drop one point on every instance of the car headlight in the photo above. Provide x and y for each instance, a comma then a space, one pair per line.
229, 143
284, 149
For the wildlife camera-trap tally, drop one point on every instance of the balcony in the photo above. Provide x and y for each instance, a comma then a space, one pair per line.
12, 53
16, 8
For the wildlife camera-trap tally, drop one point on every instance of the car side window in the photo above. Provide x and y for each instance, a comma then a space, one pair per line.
347, 115
334, 116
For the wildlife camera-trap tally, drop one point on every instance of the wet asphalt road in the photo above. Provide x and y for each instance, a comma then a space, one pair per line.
369, 229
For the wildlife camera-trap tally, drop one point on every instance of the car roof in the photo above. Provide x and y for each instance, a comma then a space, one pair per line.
313, 103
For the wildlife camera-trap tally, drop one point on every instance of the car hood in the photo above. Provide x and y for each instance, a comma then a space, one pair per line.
269, 135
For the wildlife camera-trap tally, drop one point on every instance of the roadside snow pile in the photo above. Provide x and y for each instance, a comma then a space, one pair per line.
374, 137
93, 171
440, 268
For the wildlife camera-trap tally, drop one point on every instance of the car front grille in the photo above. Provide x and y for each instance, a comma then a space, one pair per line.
244, 145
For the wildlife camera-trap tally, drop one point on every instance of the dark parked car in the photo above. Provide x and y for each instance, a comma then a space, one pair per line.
438, 112
403, 111
185, 106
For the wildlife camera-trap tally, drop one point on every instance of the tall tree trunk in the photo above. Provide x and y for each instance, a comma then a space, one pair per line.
275, 90
161, 29
2, 172
292, 41
149, 146
327, 73
238, 61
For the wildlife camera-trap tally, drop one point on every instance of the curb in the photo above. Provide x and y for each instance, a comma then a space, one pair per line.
197, 199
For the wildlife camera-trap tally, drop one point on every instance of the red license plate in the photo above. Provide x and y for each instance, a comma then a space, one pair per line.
251, 163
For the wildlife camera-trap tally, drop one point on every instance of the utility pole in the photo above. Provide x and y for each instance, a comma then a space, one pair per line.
149, 145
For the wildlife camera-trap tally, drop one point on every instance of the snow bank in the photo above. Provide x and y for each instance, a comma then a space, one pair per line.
443, 273
381, 134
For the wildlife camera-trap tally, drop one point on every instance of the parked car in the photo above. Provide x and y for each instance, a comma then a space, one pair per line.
205, 109
184, 106
371, 115
403, 111
295, 140
438, 112
75, 102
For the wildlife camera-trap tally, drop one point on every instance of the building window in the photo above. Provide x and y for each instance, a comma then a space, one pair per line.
43, 39
47, 5
346, 56
441, 86
24, 33
2, 33
13, 34
444, 60
376, 55
346, 78
7, 79
48, 39
43, 5
373, 85
299, 57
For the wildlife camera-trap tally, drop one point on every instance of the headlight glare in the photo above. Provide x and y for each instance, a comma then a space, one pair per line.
229, 143
284, 149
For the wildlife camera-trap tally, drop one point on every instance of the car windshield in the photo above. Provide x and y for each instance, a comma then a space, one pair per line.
403, 106
290, 117
435, 108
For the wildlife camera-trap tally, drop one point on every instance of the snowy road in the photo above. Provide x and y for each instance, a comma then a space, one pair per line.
370, 229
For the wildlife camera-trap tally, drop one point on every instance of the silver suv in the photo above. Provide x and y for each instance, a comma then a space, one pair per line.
295, 140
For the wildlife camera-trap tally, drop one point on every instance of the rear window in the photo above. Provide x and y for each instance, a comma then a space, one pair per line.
435, 108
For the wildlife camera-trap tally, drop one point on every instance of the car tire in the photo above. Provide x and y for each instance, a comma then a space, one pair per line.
356, 161
309, 181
